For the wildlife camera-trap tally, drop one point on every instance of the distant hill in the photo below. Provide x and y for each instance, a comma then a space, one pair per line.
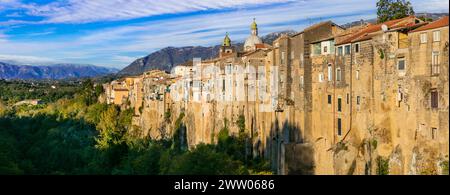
167, 58
56, 71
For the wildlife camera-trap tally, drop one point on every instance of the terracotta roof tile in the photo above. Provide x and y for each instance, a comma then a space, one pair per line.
364, 34
436, 24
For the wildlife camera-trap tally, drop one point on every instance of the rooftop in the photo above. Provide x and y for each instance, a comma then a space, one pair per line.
436, 24
367, 32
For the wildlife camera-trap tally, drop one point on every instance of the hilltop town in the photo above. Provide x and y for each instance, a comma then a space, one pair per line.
326, 100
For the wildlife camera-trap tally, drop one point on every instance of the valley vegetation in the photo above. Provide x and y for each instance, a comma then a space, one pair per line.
71, 134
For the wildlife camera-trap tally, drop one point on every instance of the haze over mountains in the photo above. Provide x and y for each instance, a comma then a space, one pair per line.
55, 71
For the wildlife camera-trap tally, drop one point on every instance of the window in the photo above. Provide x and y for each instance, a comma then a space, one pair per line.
329, 99
348, 98
436, 36
340, 51
339, 104
223, 85
320, 77
347, 49
357, 75
433, 133
228, 69
338, 74
317, 49
434, 99
301, 81
435, 63
423, 37
357, 48
325, 49
401, 64
358, 100
330, 72
301, 60
339, 127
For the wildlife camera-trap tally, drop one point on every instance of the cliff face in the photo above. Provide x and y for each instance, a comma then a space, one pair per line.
365, 115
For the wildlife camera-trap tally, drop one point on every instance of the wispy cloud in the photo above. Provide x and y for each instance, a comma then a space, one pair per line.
26, 60
82, 11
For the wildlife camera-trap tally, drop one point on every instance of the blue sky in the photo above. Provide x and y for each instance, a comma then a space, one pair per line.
113, 33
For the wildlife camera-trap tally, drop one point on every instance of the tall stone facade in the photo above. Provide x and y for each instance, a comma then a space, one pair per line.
326, 100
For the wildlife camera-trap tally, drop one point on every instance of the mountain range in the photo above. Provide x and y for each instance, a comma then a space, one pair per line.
167, 58
55, 71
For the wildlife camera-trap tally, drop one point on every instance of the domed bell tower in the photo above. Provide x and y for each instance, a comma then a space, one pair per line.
226, 49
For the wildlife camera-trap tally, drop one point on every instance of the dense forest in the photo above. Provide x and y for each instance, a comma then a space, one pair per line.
74, 134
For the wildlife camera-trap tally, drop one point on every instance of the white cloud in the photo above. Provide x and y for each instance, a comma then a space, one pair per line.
82, 11
430, 5
26, 60
124, 59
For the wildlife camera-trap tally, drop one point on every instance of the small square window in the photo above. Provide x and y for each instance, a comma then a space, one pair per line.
329, 99
358, 100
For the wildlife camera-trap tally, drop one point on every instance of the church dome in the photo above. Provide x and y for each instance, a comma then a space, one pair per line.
251, 42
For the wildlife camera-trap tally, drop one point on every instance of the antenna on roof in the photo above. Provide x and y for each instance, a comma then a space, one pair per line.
384, 27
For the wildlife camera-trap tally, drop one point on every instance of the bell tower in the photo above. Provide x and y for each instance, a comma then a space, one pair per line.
226, 49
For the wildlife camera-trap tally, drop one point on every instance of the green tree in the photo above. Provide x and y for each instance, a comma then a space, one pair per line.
2, 108
393, 9
205, 160
110, 131
382, 166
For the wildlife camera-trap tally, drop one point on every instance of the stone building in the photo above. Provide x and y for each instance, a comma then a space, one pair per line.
327, 100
